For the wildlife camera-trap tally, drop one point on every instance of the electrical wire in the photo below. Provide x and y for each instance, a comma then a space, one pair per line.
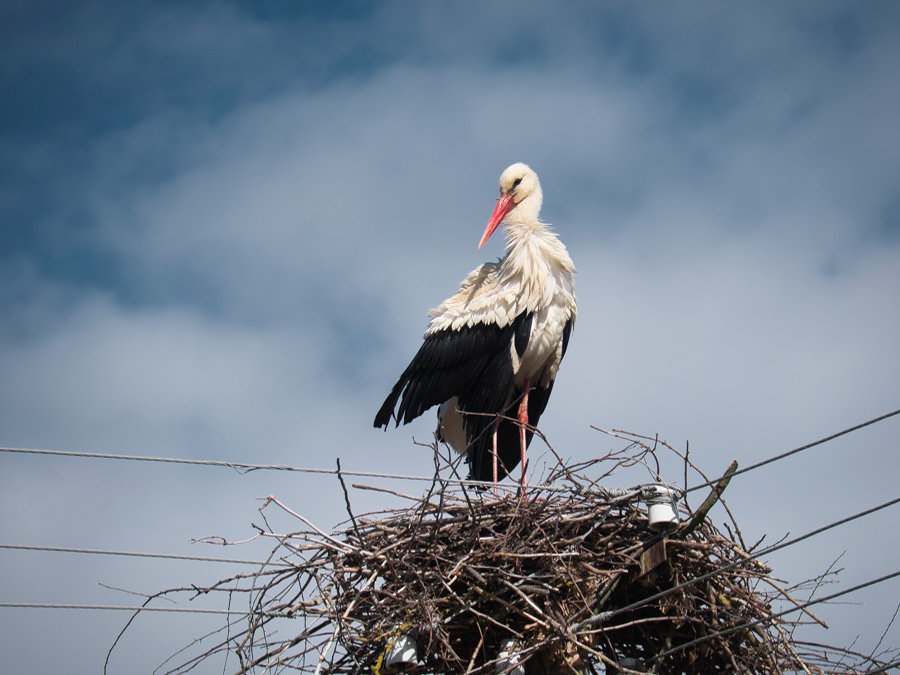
782, 455
602, 616
124, 608
136, 554
239, 466
243, 468
748, 624
605, 616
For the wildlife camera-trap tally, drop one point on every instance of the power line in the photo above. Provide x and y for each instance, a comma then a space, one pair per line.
602, 616
844, 432
244, 467
247, 468
95, 551
124, 608
605, 616
239, 466
748, 624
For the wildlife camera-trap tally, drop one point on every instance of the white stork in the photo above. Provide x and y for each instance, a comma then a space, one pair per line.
491, 352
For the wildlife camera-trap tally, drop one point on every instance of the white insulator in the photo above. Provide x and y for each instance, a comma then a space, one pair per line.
661, 507
401, 655
508, 660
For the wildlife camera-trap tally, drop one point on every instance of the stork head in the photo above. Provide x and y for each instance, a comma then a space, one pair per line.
520, 199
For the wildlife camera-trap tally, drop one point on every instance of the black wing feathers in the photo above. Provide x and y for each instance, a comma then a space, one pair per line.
475, 365
567, 333
472, 363
523, 332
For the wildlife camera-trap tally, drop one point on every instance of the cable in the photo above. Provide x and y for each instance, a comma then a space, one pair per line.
247, 468
191, 610
605, 616
94, 551
240, 466
800, 449
748, 624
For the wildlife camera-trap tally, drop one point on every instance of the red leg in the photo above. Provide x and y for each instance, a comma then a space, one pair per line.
523, 421
494, 452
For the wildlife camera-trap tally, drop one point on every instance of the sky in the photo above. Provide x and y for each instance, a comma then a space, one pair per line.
222, 225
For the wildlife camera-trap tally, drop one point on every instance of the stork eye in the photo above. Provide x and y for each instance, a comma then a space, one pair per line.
516, 183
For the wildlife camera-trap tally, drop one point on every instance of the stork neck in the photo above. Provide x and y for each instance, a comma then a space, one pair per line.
533, 236
532, 248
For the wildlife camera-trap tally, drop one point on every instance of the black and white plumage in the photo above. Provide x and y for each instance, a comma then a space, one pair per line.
491, 352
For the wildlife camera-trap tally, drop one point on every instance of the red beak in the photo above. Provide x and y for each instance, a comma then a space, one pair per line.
504, 206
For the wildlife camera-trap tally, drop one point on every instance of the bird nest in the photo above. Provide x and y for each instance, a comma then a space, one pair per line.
572, 579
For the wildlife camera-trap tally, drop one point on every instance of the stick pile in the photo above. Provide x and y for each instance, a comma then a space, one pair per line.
569, 580
465, 575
